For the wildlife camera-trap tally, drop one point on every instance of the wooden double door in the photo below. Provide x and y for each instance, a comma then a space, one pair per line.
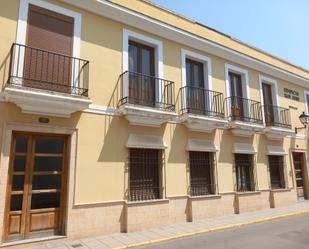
36, 188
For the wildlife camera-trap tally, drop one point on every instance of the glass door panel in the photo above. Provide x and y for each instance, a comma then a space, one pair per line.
142, 89
268, 104
237, 107
36, 186
196, 97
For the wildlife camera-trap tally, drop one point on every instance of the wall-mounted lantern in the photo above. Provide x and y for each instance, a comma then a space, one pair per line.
304, 119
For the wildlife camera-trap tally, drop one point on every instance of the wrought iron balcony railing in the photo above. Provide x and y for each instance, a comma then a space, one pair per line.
195, 100
242, 109
145, 90
45, 70
277, 116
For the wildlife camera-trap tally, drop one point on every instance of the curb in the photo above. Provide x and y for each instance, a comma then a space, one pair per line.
215, 229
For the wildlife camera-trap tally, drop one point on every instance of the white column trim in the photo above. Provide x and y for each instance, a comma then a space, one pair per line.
306, 103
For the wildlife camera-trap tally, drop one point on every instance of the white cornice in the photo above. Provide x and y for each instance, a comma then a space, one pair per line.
146, 23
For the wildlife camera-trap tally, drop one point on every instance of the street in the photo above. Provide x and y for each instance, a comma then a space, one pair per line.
288, 233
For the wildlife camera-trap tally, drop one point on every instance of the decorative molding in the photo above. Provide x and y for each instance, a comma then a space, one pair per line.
243, 148
44, 103
245, 129
146, 141
102, 110
135, 19
144, 116
202, 123
194, 144
277, 133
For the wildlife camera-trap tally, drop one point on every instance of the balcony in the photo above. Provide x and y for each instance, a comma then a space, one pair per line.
245, 116
201, 109
278, 122
47, 83
146, 100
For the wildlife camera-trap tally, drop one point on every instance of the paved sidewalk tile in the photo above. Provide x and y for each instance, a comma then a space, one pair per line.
125, 239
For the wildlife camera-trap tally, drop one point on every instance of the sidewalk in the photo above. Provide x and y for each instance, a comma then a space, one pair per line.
126, 240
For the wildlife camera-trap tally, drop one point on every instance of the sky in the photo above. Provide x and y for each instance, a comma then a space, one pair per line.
279, 27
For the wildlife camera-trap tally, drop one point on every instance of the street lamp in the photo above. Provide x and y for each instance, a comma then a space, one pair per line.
304, 119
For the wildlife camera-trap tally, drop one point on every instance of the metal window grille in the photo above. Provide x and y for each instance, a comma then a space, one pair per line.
144, 174
276, 167
244, 172
201, 173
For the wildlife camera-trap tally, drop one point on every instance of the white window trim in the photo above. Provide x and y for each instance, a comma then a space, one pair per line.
244, 81
244, 78
200, 58
274, 90
207, 68
306, 103
156, 44
22, 28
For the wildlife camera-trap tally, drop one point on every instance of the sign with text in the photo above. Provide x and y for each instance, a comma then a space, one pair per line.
291, 94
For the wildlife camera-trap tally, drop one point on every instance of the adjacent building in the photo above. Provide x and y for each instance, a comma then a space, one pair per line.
117, 116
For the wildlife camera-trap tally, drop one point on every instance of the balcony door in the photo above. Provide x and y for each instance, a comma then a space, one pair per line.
48, 51
142, 87
237, 107
36, 187
268, 104
195, 94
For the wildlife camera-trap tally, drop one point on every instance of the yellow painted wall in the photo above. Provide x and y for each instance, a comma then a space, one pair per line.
101, 173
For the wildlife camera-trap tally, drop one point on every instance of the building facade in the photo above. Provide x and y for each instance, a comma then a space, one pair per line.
118, 116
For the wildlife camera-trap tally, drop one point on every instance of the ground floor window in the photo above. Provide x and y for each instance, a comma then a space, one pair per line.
201, 173
276, 169
144, 174
244, 172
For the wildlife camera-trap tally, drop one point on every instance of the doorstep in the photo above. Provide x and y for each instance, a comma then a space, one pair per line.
180, 230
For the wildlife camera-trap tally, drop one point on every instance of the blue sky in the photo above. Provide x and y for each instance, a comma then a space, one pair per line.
280, 27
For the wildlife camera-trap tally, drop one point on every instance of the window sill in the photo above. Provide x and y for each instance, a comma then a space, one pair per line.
201, 197
135, 203
248, 193
280, 190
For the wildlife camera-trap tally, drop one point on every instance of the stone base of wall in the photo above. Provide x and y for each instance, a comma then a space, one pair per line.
210, 206
94, 220
282, 197
251, 201
145, 215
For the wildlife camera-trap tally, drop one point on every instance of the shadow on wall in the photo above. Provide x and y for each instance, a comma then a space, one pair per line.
115, 138
177, 153
5, 70
116, 96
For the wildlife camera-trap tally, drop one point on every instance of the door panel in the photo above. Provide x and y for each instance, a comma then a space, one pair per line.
237, 107
36, 190
196, 97
53, 32
298, 160
142, 89
268, 104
